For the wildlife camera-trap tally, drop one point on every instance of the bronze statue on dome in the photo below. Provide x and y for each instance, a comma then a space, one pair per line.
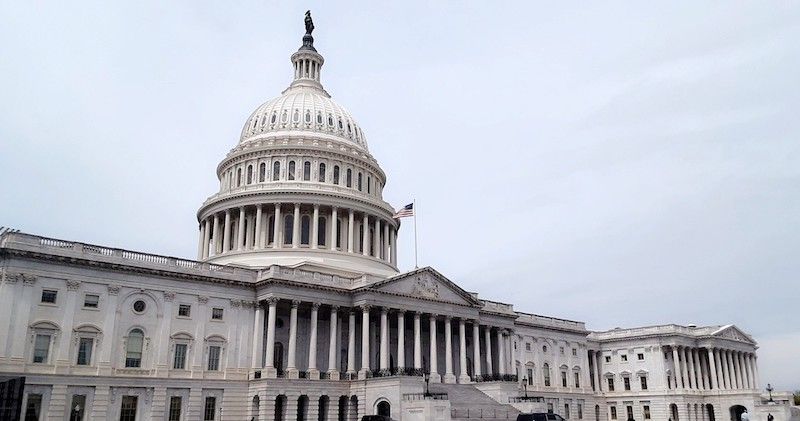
309, 23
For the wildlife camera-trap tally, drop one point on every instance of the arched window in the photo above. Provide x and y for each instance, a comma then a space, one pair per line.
296, 116
249, 174
262, 172
349, 178
546, 374
321, 231
133, 349
308, 116
288, 229
336, 174
359, 181
321, 172
305, 228
307, 171
384, 409
319, 118
276, 170
273, 118
290, 171
238, 177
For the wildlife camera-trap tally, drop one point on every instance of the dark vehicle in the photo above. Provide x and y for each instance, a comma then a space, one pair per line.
540, 416
376, 418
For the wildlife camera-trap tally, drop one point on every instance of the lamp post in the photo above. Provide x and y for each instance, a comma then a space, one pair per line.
525, 385
770, 389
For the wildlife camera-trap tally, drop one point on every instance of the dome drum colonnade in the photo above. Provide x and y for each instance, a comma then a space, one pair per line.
491, 359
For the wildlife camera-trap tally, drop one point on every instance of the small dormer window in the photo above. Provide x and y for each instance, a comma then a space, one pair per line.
274, 117
319, 118
330, 120
284, 116
341, 126
308, 116
263, 120
296, 116
348, 128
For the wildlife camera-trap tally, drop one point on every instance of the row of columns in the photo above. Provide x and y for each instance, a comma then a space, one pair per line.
502, 341
713, 368
217, 234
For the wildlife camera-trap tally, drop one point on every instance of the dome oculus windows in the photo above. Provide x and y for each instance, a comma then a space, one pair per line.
139, 306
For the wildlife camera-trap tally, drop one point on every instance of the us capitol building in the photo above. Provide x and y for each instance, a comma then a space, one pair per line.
295, 310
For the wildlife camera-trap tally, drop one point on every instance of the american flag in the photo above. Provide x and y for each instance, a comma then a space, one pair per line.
405, 212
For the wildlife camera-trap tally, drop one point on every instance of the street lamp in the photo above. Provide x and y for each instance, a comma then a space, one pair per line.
770, 389
525, 385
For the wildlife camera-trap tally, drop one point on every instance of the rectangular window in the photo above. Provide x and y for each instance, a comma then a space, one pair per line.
127, 410
210, 412
85, 351
610, 384
608, 358
216, 313
627, 382
613, 412
49, 296
563, 379
646, 410
213, 358
624, 357
629, 410
566, 410
530, 377
577, 379
527, 346
549, 407
580, 411
643, 379
640, 357
179, 361
91, 301
33, 409
184, 310
574, 352
77, 410
175, 408
41, 347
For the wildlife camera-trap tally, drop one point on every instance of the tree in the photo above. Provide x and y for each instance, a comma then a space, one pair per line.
797, 397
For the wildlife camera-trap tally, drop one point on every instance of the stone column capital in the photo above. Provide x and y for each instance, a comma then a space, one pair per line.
272, 301
295, 304
384, 310
315, 306
365, 308
334, 309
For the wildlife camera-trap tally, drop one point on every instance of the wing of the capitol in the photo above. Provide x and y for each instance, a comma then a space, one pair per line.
295, 310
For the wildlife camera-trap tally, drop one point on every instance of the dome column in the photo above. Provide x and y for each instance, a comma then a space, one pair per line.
206, 237
296, 227
257, 242
385, 241
315, 228
365, 235
226, 235
215, 235
202, 235
240, 236
350, 223
334, 225
277, 235
377, 239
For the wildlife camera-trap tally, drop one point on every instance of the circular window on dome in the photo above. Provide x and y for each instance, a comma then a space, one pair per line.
139, 306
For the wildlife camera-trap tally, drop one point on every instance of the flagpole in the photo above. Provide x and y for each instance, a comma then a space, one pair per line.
414, 207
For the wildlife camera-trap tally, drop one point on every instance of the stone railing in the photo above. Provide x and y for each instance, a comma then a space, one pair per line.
425, 396
496, 307
306, 276
535, 319
520, 399
495, 378
397, 371
648, 330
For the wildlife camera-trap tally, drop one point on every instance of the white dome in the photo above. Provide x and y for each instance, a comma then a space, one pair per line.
304, 108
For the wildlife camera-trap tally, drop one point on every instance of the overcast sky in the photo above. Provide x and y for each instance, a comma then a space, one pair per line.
622, 164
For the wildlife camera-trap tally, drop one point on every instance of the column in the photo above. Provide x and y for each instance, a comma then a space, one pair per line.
61, 342
434, 371
750, 372
598, 360
332, 345
385, 242
726, 368
384, 362
737, 365
364, 341
333, 238
745, 371
401, 339
206, 238
700, 382
258, 336
277, 229
200, 240
449, 377
215, 236
393, 245
291, 362
488, 344
241, 236
476, 349
684, 375
755, 371
365, 235
501, 353
270, 357
377, 239
712, 368
315, 227
226, 233
312, 342
417, 341
350, 223
351, 342
732, 370
462, 351
296, 227
690, 364
259, 216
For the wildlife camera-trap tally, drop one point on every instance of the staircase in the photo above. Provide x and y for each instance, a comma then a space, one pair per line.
469, 403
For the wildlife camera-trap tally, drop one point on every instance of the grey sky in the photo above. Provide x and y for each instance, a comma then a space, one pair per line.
619, 163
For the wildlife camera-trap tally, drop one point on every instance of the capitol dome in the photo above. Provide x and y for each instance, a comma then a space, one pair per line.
300, 188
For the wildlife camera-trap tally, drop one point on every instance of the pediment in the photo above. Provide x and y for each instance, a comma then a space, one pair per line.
733, 333
426, 283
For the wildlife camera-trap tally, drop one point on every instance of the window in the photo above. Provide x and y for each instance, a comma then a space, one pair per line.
643, 381
369, 184
336, 174
305, 230
262, 175
546, 373
41, 349
49, 296
185, 310
91, 301
133, 350
127, 411
213, 358
640, 357
175, 408
349, 178
608, 358
544, 348
530, 377
610, 384
85, 351
77, 410
613, 412
33, 410
561, 350
550, 407
216, 313
580, 411
577, 379
566, 410
276, 171
319, 118
249, 174
210, 410
139, 306
626, 381
574, 352
624, 357
563, 379
527, 346
238, 177
646, 411
307, 171
179, 360
629, 410
321, 175
290, 173
359, 181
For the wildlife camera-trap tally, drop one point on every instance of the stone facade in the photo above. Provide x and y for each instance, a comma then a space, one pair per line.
295, 309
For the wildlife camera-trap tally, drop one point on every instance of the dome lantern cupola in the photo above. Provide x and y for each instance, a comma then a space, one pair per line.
307, 61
